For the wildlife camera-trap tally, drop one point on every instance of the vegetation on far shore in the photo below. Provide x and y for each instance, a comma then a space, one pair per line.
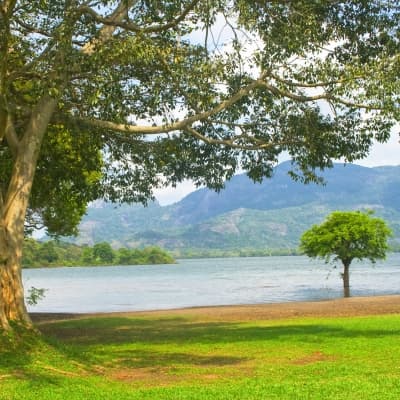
194, 357
53, 254
56, 253
240, 252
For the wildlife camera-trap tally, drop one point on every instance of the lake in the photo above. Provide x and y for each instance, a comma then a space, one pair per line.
205, 282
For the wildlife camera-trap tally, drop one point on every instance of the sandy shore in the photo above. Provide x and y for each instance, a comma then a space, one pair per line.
354, 306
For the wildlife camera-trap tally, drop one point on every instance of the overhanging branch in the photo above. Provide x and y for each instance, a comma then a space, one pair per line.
322, 96
307, 85
234, 141
179, 125
106, 32
129, 26
186, 124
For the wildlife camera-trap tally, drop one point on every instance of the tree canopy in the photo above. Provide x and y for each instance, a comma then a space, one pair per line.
137, 102
345, 236
112, 98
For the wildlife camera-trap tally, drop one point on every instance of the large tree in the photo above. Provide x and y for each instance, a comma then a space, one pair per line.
112, 98
345, 236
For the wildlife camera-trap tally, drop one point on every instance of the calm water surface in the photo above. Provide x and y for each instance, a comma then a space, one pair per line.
201, 282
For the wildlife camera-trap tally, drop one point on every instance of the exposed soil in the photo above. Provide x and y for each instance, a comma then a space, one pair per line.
346, 307
317, 356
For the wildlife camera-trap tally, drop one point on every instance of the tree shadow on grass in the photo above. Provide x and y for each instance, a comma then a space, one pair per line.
134, 343
141, 358
120, 330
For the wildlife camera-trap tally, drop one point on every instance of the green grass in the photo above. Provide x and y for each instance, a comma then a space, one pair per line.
194, 357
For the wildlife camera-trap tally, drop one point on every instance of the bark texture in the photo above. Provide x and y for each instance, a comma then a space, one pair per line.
346, 280
12, 305
13, 209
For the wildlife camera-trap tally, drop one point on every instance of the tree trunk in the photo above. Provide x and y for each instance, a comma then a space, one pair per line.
12, 216
346, 279
12, 305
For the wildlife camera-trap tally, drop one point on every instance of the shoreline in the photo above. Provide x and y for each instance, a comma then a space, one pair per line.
341, 307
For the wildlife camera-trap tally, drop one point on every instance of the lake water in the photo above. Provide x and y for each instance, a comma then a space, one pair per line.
203, 282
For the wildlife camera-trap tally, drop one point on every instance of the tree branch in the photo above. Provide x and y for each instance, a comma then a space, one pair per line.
323, 96
312, 85
129, 26
226, 142
11, 136
179, 125
232, 142
32, 29
300, 98
120, 12
7, 7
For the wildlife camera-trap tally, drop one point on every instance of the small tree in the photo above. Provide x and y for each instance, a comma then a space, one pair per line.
346, 236
103, 253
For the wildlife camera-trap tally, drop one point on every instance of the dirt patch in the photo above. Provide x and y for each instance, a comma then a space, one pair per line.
349, 307
315, 357
132, 375
157, 377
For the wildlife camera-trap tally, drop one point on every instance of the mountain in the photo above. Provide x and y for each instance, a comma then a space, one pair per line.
246, 215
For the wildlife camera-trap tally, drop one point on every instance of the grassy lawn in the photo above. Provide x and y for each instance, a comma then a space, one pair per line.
198, 357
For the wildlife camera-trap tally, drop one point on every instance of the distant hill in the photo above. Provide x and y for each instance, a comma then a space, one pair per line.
247, 215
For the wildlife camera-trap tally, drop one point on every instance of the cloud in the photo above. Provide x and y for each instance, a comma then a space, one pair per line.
170, 195
383, 153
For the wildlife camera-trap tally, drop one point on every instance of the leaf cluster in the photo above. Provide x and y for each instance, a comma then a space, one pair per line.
347, 235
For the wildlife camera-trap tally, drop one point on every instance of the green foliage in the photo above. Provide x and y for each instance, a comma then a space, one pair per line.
54, 253
233, 252
68, 176
149, 255
103, 253
346, 236
110, 66
35, 295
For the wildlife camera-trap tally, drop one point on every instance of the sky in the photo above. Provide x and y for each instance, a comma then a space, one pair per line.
380, 154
